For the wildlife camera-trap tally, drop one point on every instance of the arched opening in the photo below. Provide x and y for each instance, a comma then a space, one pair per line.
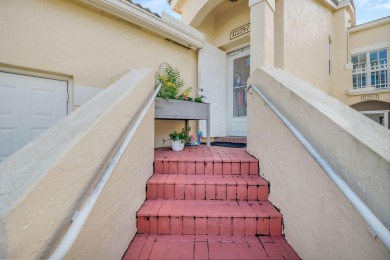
379, 111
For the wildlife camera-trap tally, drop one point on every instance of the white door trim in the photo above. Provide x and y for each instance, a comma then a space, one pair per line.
212, 79
45, 75
385, 115
236, 54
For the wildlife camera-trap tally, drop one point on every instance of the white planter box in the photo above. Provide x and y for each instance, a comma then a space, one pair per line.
173, 109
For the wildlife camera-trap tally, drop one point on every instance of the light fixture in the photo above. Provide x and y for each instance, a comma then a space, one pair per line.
233, 1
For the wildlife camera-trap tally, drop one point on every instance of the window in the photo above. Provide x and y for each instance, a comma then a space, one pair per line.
371, 69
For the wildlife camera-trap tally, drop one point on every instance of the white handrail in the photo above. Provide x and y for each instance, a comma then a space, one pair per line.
373, 222
81, 217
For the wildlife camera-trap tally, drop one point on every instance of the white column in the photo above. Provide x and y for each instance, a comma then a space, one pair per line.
262, 33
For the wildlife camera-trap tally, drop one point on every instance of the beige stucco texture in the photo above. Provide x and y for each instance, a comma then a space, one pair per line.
92, 47
366, 39
48, 180
217, 22
303, 40
319, 221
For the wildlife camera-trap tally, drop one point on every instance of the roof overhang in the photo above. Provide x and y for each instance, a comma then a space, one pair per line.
167, 27
369, 25
176, 5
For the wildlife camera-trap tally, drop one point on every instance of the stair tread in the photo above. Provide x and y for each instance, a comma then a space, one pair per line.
208, 208
204, 154
149, 246
181, 179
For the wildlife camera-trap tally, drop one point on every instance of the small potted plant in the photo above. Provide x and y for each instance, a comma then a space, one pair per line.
179, 139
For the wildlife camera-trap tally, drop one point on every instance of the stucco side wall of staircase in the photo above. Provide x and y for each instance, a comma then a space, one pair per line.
319, 222
48, 180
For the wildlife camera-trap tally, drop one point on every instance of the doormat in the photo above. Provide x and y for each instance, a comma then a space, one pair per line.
228, 144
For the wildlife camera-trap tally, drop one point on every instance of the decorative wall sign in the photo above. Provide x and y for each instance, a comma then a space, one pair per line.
369, 97
243, 29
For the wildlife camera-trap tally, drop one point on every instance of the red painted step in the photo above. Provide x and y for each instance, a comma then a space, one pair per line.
208, 203
209, 247
194, 217
207, 187
212, 161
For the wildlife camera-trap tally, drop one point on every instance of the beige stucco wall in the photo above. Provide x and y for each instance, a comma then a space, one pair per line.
370, 36
318, 220
229, 20
220, 21
48, 179
341, 72
90, 46
262, 35
364, 40
305, 40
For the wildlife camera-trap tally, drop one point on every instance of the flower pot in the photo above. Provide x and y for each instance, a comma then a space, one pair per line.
177, 145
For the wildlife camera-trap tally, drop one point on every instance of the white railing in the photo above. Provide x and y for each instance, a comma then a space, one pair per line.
375, 225
81, 217
375, 75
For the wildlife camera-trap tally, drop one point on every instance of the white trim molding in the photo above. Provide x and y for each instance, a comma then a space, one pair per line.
25, 71
367, 90
369, 25
166, 27
271, 3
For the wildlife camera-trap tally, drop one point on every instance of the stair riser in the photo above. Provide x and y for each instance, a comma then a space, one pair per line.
207, 192
208, 168
209, 226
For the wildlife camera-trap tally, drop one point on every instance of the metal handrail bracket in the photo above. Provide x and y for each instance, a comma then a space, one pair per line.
365, 212
82, 215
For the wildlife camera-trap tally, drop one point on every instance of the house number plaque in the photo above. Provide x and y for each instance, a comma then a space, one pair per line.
243, 29
369, 97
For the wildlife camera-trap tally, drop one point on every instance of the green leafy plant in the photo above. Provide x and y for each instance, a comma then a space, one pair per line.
199, 99
182, 136
172, 84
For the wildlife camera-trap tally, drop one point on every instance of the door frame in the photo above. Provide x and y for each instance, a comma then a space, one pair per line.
245, 50
385, 115
23, 71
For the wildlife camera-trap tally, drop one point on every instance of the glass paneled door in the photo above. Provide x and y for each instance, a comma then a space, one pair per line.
238, 74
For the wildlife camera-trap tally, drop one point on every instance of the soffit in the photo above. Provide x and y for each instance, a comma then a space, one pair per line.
166, 26
224, 6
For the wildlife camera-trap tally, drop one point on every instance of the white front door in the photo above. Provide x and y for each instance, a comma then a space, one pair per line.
28, 106
212, 80
238, 74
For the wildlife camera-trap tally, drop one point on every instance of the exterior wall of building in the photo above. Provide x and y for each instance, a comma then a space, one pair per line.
301, 41
192, 8
49, 179
220, 22
319, 222
93, 48
340, 70
365, 40
304, 40
229, 20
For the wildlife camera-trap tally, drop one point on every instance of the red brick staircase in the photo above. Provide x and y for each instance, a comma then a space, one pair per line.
208, 203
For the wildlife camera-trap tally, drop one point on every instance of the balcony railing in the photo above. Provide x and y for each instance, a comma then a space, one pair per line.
375, 75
